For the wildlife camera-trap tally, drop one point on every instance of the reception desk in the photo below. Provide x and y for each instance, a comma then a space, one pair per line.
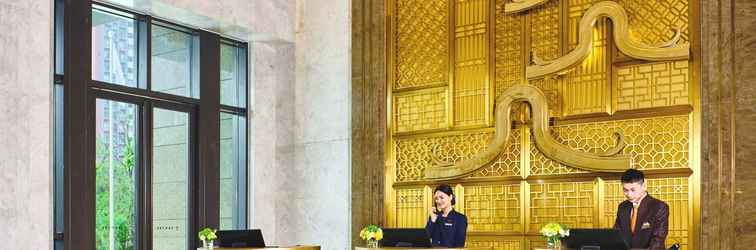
270, 248
410, 248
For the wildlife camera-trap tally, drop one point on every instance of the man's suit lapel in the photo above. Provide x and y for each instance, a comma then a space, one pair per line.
643, 213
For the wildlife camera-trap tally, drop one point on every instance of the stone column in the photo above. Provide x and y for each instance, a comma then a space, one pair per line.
728, 106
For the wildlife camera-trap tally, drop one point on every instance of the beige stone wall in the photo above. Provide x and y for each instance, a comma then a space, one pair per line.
26, 99
728, 105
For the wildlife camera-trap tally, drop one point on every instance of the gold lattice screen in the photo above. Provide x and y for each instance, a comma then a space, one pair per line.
448, 62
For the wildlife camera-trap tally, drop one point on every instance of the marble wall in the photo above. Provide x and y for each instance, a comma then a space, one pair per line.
272, 130
26, 60
728, 105
368, 114
315, 206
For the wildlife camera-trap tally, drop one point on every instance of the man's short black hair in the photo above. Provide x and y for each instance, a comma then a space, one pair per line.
633, 176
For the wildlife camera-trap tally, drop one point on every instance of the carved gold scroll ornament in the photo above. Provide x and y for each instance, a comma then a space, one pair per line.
607, 161
522, 5
666, 51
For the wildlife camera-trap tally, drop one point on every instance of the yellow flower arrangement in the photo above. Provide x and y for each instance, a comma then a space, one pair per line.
554, 232
371, 232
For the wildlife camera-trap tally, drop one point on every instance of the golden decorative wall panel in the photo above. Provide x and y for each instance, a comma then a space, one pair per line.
545, 32
421, 43
410, 208
651, 85
585, 88
565, 202
545, 41
452, 62
470, 66
493, 208
508, 162
654, 143
413, 155
509, 59
651, 21
420, 110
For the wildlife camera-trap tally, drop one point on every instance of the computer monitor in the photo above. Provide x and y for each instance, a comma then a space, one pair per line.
241, 238
595, 239
405, 237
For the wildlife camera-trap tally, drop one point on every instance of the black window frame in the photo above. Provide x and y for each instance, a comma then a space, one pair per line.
74, 203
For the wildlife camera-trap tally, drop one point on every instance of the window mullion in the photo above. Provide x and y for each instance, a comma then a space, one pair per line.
144, 46
208, 172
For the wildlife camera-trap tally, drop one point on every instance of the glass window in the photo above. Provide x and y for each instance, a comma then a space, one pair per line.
233, 84
171, 62
170, 180
124, 44
116, 166
114, 57
233, 174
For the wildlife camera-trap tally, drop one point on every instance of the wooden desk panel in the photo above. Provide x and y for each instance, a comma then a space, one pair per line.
270, 248
410, 248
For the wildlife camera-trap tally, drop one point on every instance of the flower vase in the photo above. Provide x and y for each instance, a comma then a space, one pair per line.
554, 244
207, 244
372, 243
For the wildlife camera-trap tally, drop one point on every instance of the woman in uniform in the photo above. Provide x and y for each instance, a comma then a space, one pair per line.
446, 227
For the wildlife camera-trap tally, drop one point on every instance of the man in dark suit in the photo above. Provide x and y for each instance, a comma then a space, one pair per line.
642, 220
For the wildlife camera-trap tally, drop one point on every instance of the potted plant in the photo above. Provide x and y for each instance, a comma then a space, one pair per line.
207, 235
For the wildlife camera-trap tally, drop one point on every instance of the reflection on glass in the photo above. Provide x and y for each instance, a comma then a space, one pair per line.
58, 166
170, 186
232, 171
171, 61
115, 175
233, 76
114, 48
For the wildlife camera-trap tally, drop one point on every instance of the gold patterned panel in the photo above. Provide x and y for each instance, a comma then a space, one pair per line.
508, 163
420, 110
545, 42
542, 165
498, 243
673, 191
654, 143
470, 63
585, 89
651, 20
493, 208
544, 31
570, 203
509, 64
652, 85
413, 155
536, 242
410, 210
421, 43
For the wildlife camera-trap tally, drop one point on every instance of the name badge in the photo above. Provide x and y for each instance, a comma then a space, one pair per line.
448, 224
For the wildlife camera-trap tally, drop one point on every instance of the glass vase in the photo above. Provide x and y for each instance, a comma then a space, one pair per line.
554, 243
207, 244
372, 244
